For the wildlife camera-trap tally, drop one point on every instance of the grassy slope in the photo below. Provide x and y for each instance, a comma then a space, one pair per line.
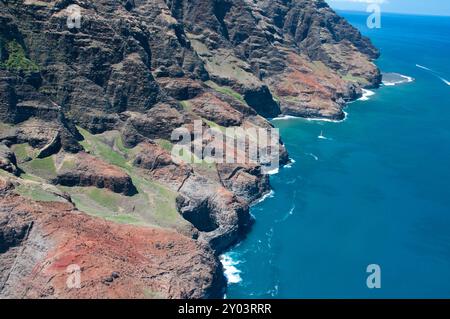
154, 204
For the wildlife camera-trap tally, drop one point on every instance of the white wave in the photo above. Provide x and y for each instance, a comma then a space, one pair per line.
291, 181
322, 137
273, 292
269, 236
366, 95
232, 273
289, 165
290, 117
273, 171
408, 79
327, 120
270, 194
286, 117
313, 156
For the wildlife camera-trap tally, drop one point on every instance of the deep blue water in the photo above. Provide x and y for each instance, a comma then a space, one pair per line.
379, 192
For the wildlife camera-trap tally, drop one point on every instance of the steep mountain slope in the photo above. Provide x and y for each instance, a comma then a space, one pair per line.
91, 92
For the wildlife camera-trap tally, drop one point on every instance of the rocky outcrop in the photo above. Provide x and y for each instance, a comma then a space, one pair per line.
246, 181
221, 217
87, 170
8, 160
157, 162
214, 109
43, 244
159, 122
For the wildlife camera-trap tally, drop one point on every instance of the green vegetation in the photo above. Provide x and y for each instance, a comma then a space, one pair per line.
44, 164
4, 127
186, 106
104, 198
23, 151
151, 294
276, 98
17, 60
356, 79
95, 146
161, 199
165, 144
36, 192
44, 167
226, 90
30, 177
118, 143
154, 204
68, 164
214, 125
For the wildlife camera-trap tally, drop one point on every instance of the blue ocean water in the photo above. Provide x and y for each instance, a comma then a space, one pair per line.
376, 191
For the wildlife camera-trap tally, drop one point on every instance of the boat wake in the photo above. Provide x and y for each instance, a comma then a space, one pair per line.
289, 214
445, 81
423, 67
436, 74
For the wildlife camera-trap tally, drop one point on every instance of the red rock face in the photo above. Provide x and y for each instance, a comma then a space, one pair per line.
214, 109
157, 162
92, 171
41, 241
307, 90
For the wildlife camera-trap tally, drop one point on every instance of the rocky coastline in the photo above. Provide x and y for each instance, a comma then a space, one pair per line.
86, 117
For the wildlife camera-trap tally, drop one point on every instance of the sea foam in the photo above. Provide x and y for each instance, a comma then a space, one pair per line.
265, 196
366, 95
289, 165
232, 273
318, 119
392, 79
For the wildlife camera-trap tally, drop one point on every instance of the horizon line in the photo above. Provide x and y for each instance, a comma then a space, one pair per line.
396, 12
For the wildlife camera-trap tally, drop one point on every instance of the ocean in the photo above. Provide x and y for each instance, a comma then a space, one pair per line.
373, 189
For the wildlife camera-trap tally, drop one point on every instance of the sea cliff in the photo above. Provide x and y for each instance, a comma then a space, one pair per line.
90, 94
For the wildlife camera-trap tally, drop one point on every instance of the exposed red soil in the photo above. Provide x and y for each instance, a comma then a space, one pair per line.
115, 261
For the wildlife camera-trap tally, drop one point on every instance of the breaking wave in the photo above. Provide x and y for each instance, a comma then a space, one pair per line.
366, 95
232, 273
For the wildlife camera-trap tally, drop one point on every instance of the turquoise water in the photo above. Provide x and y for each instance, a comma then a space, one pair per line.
377, 191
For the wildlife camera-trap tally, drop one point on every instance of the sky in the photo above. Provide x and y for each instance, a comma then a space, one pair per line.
422, 7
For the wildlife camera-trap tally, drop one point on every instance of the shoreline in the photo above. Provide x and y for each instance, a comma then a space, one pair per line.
229, 264
231, 273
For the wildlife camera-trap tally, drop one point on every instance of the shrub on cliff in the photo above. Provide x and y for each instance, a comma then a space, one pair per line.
15, 59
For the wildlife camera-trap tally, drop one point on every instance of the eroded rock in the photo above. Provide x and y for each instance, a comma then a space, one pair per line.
87, 170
